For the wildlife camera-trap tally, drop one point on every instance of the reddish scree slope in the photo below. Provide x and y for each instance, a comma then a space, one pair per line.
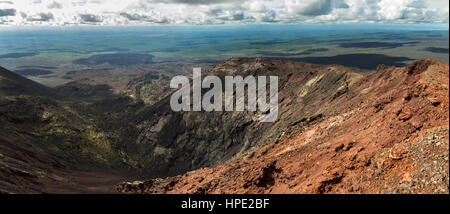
391, 138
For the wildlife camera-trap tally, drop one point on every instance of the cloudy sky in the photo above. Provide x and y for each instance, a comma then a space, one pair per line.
211, 12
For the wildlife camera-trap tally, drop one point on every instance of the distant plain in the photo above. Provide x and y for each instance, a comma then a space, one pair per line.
47, 54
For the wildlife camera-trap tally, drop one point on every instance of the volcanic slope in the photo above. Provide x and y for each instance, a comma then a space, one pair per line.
43, 140
339, 130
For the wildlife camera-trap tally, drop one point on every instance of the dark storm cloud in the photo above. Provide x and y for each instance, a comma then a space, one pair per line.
90, 18
7, 12
133, 17
215, 12
238, 16
55, 5
269, 16
42, 17
228, 15
161, 21
317, 8
323, 7
143, 18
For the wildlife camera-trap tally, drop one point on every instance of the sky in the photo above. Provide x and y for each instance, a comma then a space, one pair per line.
219, 12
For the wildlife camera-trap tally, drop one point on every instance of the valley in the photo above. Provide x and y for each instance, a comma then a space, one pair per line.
339, 129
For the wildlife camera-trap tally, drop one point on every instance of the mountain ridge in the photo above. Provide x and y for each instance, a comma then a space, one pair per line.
57, 143
389, 134
14, 84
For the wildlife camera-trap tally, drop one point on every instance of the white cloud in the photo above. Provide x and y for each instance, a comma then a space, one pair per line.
159, 12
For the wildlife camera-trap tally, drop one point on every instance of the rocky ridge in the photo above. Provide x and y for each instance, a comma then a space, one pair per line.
339, 131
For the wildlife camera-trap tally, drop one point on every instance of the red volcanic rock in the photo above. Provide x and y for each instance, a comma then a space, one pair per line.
383, 131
